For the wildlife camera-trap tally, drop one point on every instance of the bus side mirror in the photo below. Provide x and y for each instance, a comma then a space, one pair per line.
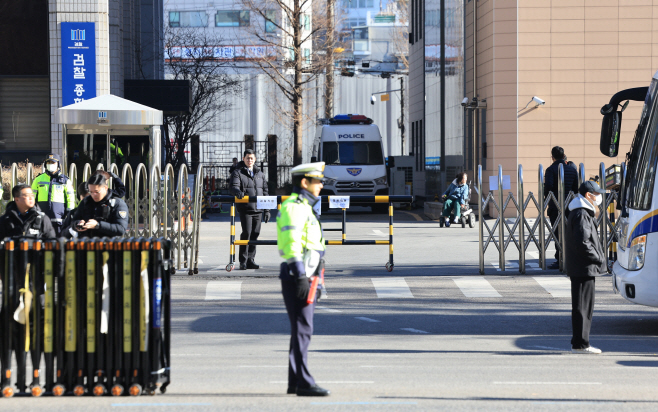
610, 129
314, 159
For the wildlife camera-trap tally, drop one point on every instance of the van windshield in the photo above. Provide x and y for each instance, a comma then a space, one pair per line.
352, 153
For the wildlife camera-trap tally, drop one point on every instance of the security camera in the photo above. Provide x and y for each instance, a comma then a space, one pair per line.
465, 102
538, 100
373, 99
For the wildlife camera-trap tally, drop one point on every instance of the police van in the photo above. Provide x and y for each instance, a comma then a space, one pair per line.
351, 147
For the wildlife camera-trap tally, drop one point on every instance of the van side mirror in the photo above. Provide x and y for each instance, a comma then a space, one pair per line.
314, 159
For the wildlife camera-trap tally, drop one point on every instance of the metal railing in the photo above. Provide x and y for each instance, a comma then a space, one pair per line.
155, 203
325, 200
539, 232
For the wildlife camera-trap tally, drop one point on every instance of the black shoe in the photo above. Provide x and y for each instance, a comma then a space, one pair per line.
314, 390
252, 265
554, 265
291, 390
243, 266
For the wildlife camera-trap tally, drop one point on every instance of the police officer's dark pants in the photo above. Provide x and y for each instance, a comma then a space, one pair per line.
552, 216
301, 329
582, 308
250, 230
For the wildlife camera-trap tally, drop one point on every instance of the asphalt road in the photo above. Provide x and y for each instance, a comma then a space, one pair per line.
431, 335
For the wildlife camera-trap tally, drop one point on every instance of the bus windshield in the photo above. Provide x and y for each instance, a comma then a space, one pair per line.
352, 153
643, 157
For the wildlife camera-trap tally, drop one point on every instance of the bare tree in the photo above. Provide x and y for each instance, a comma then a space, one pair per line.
401, 34
190, 55
295, 55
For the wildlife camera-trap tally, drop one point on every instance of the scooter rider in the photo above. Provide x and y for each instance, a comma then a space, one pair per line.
301, 245
100, 213
54, 192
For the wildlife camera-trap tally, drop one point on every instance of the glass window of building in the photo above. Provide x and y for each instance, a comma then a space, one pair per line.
358, 4
270, 19
188, 19
232, 18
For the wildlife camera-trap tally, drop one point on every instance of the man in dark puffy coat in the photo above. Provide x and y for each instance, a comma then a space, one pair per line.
24, 218
101, 213
551, 185
249, 180
585, 259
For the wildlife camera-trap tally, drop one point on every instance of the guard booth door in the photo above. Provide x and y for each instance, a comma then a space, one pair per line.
92, 149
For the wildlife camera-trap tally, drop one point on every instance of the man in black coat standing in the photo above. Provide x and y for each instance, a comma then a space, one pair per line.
24, 218
248, 180
585, 259
551, 182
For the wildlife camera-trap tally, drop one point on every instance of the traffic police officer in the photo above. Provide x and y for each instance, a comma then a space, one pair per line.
100, 213
301, 245
54, 192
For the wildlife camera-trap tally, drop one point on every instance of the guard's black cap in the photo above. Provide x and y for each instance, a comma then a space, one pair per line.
590, 186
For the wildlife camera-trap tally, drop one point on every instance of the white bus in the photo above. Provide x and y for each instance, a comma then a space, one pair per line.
635, 273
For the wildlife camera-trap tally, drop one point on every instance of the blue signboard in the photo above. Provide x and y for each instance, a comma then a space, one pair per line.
78, 62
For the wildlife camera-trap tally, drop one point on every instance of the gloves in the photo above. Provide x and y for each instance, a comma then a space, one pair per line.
303, 287
444, 197
266, 216
239, 195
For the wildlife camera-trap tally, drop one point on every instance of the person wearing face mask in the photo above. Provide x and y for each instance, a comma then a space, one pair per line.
455, 198
54, 192
101, 213
585, 259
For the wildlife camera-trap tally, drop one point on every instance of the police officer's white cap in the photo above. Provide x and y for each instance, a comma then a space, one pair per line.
314, 170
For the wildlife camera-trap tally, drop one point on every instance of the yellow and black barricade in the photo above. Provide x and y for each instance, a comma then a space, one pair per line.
360, 200
97, 311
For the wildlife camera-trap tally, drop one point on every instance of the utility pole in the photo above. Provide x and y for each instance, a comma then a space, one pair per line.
329, 70
402, 114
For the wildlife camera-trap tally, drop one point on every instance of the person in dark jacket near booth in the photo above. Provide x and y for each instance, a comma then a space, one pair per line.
101, 213
23, 217
248, 180
585, 259
551, 182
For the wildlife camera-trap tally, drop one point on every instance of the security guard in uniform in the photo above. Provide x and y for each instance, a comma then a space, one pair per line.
301, 245
24, 218
54, 192
101, 213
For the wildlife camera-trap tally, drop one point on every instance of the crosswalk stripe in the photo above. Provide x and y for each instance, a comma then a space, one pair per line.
224, 290
392, 288
476, 287
558, 287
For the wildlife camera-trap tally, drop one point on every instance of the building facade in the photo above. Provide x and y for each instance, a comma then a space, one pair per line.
572, 54
127, 36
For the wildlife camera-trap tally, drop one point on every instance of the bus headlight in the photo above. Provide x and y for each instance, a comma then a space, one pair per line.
381, 181
329, 182
636, 253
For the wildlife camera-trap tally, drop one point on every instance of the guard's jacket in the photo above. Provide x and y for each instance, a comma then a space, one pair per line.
111, 214
298, 230
55, 195
34, 224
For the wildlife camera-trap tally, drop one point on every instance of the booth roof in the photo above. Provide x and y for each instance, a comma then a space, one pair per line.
117, 111
107, 102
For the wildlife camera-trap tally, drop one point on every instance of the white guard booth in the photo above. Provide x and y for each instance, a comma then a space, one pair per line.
111, 116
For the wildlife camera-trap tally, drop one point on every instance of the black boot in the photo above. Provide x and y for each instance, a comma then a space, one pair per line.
251, 264
314, 390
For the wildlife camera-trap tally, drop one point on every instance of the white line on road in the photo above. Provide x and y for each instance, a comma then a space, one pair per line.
392, 288
547, 383
378, 232
476, 287
534, 254
216, 290
547, 347
413, 330
366, 319
348, 382
262, 366
558, 287
328, 309
514, 265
